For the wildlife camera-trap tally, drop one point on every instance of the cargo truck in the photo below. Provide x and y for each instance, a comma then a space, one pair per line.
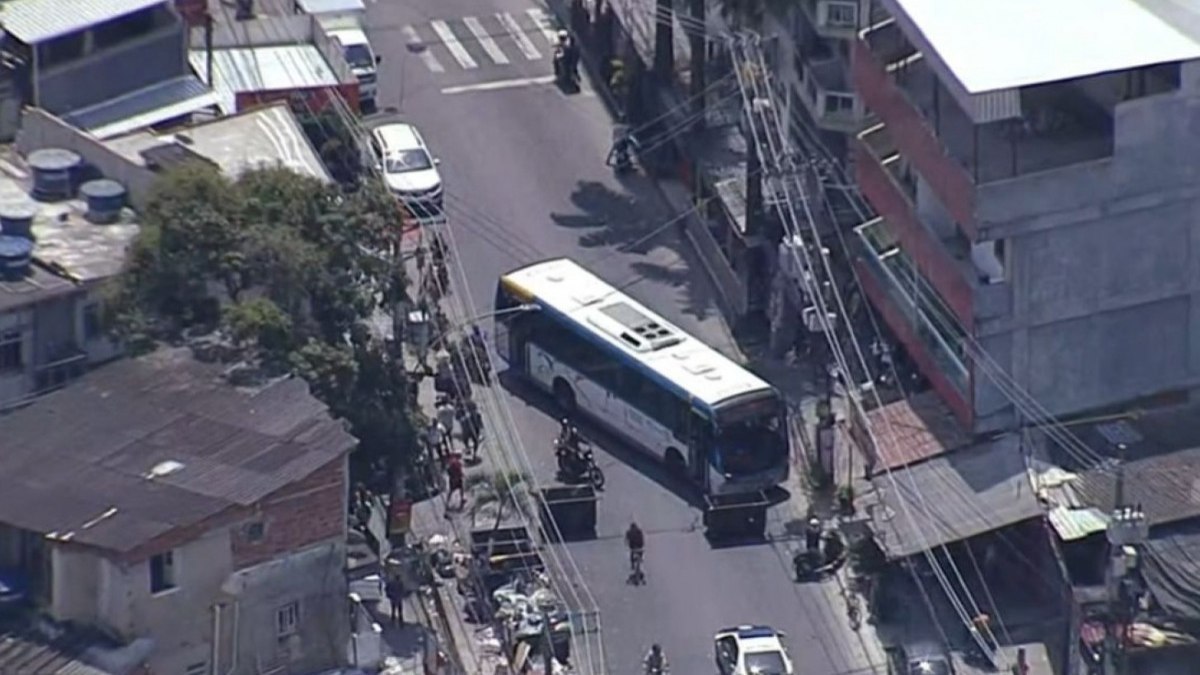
344, 21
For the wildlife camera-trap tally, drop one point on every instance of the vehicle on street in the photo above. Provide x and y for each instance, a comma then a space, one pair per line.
410, 172
922, 657
344, 21
604, 355
752, 650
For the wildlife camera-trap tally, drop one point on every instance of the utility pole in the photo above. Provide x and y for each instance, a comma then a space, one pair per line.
699, 64
664, 41
1127, 531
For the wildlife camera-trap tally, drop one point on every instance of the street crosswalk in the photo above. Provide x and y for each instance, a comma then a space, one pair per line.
472, 42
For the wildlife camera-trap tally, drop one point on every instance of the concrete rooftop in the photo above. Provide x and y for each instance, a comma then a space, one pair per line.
261, 137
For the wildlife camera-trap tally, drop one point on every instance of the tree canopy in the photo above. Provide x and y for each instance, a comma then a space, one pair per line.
286, 269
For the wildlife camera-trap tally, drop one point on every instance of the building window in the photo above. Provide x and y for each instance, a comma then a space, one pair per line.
287, 619
841, 14
12, 355
255, 531
162, 572
91, 321
839, 103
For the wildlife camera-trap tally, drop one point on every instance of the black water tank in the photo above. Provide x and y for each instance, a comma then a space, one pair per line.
16, 218
105, 199
16, 257
54, 171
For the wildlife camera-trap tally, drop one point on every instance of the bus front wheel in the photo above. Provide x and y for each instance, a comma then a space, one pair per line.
564, 396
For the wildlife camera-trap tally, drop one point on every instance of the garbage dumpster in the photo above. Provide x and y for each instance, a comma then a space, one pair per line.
572, 508
738, 516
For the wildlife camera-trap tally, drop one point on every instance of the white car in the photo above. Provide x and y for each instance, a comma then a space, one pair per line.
752, 650
410, 172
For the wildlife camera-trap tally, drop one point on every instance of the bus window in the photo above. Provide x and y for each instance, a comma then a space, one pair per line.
751, 436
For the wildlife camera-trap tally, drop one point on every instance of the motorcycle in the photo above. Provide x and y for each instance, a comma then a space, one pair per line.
565, 73
577, 464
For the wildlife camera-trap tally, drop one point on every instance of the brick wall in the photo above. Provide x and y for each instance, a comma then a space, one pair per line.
915, 140
304, 513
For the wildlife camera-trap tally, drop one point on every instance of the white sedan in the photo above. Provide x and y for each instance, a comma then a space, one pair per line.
752, 650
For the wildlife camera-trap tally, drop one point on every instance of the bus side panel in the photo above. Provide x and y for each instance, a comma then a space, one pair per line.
543, 369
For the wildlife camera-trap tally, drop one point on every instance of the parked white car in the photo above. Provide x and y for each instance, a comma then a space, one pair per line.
408, 169
752, 650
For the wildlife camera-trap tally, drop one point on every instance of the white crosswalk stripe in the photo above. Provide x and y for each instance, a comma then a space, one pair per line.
457, 50
489, 45
514, 30
412, 37
539, 18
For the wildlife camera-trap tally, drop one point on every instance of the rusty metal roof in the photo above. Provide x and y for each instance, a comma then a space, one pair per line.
915, 429
81, 463
1167, 486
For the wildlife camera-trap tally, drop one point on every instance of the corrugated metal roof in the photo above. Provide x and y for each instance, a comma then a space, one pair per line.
1167, 486
953, 498
262, 69
144, 108
34, 21
1072, 524
78, 462
915, 429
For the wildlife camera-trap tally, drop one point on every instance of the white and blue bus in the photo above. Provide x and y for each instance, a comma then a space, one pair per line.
604, 355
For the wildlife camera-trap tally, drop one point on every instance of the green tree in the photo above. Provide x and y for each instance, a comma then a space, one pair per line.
290, 270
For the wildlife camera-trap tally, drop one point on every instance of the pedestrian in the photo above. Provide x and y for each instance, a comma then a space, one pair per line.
475, 421
454, 475
445, 417
395, 595
435, 438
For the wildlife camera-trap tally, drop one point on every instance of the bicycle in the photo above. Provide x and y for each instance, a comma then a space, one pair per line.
636, 575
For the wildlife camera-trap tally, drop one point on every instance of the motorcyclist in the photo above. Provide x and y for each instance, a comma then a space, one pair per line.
636, 541
655, 661
568, 436
566, 55
623, 144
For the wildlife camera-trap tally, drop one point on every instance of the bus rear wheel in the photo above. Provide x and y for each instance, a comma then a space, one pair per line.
676, 465
564, 396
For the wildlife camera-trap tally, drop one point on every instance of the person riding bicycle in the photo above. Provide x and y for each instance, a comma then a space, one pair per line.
636, 541
655, 661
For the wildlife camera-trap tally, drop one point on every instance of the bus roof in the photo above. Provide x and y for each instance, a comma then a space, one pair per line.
637, 332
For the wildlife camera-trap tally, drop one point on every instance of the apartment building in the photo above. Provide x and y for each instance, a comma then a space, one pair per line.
1033, 167
108, 67
158, 503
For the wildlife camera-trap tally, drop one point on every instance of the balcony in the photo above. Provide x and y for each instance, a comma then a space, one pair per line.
61, 367
943, 257
833, 19
916, 313
825, 91
1062, 124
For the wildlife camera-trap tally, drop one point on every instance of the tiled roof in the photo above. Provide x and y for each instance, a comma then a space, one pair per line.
913, 430
142, 447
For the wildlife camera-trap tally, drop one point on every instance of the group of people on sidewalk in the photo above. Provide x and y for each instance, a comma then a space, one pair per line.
456, 417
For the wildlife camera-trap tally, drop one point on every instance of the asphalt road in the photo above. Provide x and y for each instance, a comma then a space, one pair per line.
524, 169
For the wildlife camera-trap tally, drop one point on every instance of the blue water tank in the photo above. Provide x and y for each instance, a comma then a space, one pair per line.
54, 171
16, 257
16, 218
105, 199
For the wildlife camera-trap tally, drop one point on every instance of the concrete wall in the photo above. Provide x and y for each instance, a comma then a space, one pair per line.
115, 71
40, 129
1105, 265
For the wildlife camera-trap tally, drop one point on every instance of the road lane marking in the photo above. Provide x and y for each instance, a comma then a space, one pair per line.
501, 84
457, 50
523, 42
489, 45
414, 38
539, 18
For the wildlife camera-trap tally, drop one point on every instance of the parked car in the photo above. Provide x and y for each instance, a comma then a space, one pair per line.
923, 657
752, 650
409, 170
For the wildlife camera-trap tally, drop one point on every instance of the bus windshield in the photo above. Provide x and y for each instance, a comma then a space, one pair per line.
751, 436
